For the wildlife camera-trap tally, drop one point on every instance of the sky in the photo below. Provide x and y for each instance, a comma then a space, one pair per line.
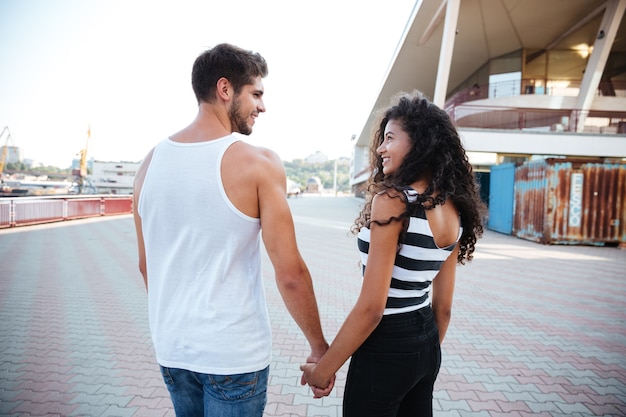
122, 68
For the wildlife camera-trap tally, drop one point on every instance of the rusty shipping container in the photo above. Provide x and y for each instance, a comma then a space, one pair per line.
562, 201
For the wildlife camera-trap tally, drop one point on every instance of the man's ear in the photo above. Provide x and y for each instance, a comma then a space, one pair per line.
224, 89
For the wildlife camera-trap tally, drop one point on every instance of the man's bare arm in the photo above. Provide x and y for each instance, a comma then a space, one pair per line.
292, 275
138, 183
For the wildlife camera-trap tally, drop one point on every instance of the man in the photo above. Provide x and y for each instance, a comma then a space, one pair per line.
201, 197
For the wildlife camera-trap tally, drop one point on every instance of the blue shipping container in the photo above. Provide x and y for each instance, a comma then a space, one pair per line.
501, 198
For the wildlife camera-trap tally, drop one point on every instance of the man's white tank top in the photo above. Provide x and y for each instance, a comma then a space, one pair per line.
207, 305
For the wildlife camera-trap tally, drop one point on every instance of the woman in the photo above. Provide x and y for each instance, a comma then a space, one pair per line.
422, 216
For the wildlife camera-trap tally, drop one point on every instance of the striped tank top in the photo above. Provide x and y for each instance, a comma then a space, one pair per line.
416, 264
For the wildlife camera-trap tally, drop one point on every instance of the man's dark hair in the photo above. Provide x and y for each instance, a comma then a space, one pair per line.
235, 64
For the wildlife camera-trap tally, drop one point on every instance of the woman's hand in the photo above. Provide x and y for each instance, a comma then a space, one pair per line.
320, 387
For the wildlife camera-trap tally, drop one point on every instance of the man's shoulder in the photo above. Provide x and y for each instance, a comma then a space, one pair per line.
247, 153
141, 171
251, 174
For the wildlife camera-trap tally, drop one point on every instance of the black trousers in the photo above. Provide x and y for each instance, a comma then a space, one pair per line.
393, 373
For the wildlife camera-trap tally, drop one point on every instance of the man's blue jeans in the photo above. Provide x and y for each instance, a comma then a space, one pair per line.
201, 395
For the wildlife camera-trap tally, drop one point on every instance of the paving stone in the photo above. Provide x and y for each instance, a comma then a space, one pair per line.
528, 336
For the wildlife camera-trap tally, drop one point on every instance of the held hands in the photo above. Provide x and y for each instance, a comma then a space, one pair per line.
320, 387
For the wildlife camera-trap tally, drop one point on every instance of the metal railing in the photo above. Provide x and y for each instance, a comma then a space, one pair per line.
22, 211
466, 113
511, 118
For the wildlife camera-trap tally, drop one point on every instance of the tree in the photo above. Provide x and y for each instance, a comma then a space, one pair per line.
300, 171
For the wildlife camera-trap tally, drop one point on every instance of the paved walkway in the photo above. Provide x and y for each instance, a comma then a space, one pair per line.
536, 330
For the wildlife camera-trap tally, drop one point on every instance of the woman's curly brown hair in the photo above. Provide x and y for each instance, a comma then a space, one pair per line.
437, 157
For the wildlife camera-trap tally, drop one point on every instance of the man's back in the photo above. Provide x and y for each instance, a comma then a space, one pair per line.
207, 306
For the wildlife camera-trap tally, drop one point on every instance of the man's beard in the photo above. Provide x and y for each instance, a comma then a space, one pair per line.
238, 121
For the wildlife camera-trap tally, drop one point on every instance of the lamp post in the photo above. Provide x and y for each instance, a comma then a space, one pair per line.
335, 178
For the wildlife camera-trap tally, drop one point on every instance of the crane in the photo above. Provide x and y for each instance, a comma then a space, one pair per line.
5, 149
83, 155
82, 171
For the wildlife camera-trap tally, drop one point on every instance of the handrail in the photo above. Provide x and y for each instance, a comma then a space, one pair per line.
466, 112
22, 211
